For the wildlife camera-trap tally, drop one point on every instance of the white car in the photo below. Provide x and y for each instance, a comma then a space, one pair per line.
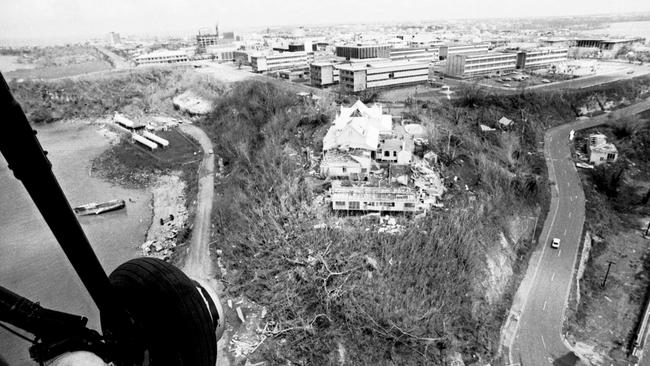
555, 243
210, 151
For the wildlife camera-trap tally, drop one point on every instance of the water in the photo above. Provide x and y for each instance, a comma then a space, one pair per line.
629, 29
31, 262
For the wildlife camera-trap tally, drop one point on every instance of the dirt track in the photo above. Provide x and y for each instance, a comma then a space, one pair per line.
198, 263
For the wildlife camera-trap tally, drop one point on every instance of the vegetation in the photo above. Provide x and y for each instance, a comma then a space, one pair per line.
413, 297
616, 203
133, 93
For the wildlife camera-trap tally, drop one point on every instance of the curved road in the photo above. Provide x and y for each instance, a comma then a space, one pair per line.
198, 264
538, 339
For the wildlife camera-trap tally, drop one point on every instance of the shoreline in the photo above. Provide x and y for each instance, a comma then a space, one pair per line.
31, 261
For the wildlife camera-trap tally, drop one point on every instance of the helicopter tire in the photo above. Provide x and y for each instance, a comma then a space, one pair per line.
176, 324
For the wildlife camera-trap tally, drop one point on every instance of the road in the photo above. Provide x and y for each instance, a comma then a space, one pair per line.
538, 339
198, 264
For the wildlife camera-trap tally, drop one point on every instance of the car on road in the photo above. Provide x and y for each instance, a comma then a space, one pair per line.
545, 81
507, 85
210, 151
631, 72
555, 243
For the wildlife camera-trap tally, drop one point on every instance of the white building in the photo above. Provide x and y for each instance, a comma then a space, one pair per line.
323, 74
358, 127
353, 165
465, 66
425, 54
601, 151
447, 51
363, 76
162, 57
281, 61
542, 57
382, 199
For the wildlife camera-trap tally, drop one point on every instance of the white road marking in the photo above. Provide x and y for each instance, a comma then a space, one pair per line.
552, 276
569, 214
544, 343
559, 252
564, 232
568, 184
544, 307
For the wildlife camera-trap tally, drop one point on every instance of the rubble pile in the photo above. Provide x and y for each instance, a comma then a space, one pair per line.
192, 103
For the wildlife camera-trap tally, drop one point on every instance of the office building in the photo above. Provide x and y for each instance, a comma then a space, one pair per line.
428, 54
323, 74
607, 48
363, 51
447, 51
467, 66
162, 57
361, 76
281, 61
541, 57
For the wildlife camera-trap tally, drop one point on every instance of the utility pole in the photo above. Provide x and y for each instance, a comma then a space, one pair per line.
607, 274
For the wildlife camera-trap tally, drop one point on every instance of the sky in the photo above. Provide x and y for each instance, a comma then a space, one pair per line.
24, 19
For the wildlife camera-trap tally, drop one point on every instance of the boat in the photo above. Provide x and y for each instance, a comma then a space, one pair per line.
98, 208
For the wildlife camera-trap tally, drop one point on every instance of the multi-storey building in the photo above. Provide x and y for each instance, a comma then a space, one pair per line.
383, 199
162, 57
364, 51
429, 54
361, 76
464, 66
323, 74
281, 61
204, 40
447, 51
541, 57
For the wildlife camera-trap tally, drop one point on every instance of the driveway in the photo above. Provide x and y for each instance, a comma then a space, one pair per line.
538, 339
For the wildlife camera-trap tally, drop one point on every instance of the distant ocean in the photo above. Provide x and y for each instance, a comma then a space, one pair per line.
31, 262
629, 29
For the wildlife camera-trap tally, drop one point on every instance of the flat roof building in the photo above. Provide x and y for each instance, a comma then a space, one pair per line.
323, 74
541, 57
162, 57
281, 61
467, 66
364, 51
361, 76
429, 54
446, 51
366, 198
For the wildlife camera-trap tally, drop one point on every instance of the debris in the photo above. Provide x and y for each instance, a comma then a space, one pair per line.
240, 314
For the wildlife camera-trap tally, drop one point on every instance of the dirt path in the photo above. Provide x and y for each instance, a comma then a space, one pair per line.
198, 264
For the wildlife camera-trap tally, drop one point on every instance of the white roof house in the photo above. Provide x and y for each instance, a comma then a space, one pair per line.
382, 122
357, 127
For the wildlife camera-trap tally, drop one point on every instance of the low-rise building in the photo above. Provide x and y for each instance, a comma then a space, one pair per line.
358, 77
606, 47
601, 151
542, 57
357, 128
396, 147
281, 61
162, 57
467, 66
353, 165
365, 198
